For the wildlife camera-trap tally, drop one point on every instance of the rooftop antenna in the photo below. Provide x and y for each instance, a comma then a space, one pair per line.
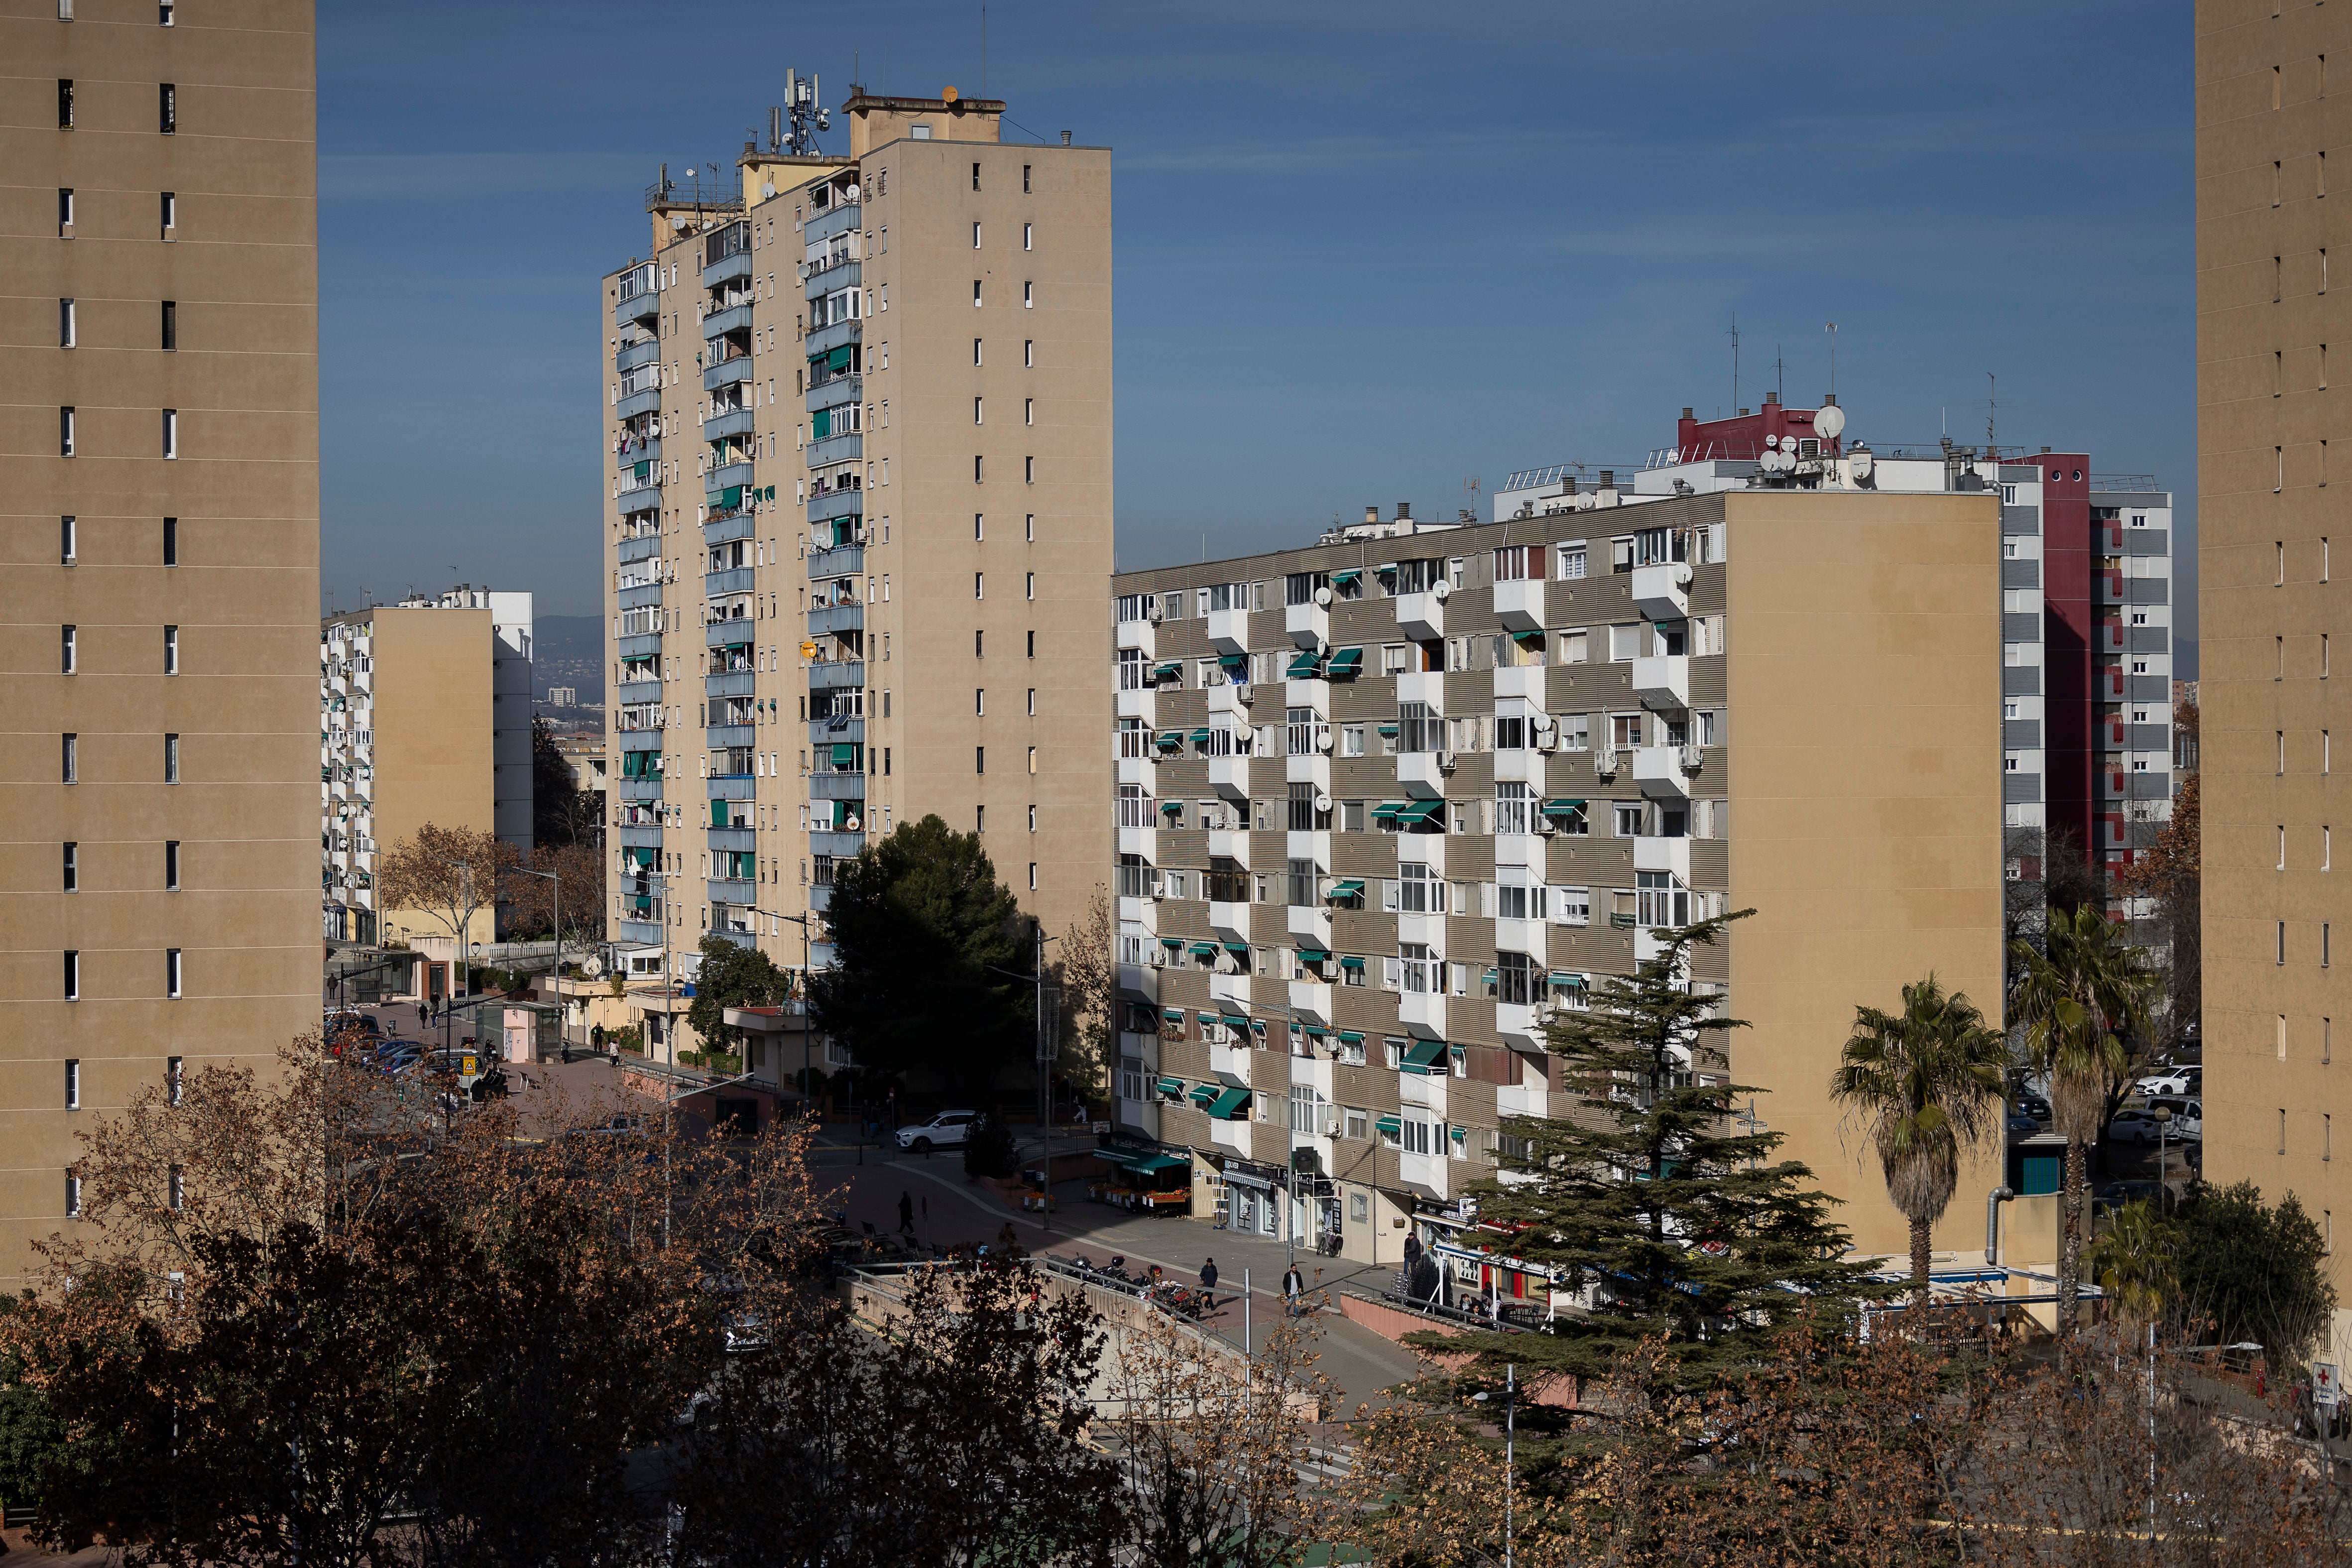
983, 51
1780, 377
775, 128
1831, 328
1992, 406
804, 114
1735, 359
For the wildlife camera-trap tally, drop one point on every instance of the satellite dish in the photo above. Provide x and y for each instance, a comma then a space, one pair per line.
1322, 803
769, 189
1440, 591
1323, 597
1827, 422
678, 223
1772, 443
1585, 501
948, 94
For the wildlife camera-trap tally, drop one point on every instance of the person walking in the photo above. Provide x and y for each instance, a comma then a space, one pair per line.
1294, 1290
1209, 1285
907, 1212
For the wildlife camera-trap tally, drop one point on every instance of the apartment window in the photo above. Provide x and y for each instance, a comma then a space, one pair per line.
2278, 372
976, 414
1028, 411
979, 526
73, 977
65, 432
170, 432
65, 212
1028, 295
980, 700
2324, 949
171, 865
2282, 959
1032, 703
171, 650
73, 1197
71, 766
2278, 469
975, 351
65, 103
167, 107
975, 170
1033, 584
171, 326
1031, 528
65, 541
1033, 645
72, 870
1025, 173
2280, 737
977, 472
2278, 567
1033, 873
2282, 848
980, 765
1029, 471
65, 650
979, 585
170, 758
975, 237
171, 542
975, 293
1033, 810
1033, 768
66, 323
165, 9
2282, 1146
172, 971
1028, 352
175, 1074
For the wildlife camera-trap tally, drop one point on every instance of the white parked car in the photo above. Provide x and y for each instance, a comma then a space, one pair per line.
2141, 1126
2176, 1081
948, 1129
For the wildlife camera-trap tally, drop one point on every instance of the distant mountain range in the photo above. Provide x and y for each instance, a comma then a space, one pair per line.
569, 650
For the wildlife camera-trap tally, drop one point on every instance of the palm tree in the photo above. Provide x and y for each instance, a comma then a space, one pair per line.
2077, 1001
1929, 1081
2133, 1262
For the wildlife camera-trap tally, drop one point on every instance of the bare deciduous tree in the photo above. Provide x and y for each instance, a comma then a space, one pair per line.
448, 874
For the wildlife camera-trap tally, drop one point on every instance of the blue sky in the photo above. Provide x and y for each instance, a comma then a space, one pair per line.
1365, 252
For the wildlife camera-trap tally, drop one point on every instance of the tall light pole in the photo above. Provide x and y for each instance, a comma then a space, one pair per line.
557, 977
806, 950
464, 949
1045, 1058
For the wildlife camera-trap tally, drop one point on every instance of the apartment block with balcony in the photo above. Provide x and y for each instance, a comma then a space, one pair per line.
1389, 805
858, 571
158, 911
418, 721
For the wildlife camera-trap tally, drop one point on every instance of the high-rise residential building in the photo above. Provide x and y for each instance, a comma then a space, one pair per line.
423, 703
159, 486
859, 528
1390, 804
2270, 607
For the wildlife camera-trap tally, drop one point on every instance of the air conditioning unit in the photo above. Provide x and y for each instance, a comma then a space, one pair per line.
1604, 764
1155, 614
1693, 758
1545, 826
1444, 762
1334, 1123
1245, 694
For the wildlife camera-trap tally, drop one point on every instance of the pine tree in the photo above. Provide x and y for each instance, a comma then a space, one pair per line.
1686, 1226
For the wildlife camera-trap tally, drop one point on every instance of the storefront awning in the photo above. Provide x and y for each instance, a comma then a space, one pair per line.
1423, 1056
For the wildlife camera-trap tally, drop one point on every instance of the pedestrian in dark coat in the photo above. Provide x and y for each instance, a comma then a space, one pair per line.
907, 1212
1209, 1285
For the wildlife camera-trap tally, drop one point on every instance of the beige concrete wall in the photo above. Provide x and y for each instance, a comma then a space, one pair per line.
1864, 668
2267, 531
1046, 384
240, 263
433, 745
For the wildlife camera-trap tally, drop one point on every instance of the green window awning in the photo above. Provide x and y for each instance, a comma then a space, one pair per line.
1172, 1015
1163, 671
1346, 662
1414, 811
1200, 737
1303, 667
1570, 979
1236, 947
718, 814
1424, 1055
1387, 810
732, 496
641, 858
1351, 1037
821, 425
1392, 1125
1562, 807
1390, 731
845, 754
1386, 568
1171, 1086
1233, 1021
839, 358
1318, 1032
1205, 950
1202, 1093
1171, 807
1313, 955
1351, 962
1537, 638
1232, 660
1230, 1105
1346, 575
1170, 739
1347, 887
1172, 942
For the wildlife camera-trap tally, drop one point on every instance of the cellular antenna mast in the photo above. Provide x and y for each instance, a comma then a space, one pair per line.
1992, 406
1734, 335
804, 115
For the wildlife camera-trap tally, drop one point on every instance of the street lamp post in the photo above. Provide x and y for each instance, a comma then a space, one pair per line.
1044, 1080
806, 955
465, 975
2163, 1159
556, 978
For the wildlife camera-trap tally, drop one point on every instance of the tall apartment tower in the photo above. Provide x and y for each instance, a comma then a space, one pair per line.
2266, 122
859, 525
159, 496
